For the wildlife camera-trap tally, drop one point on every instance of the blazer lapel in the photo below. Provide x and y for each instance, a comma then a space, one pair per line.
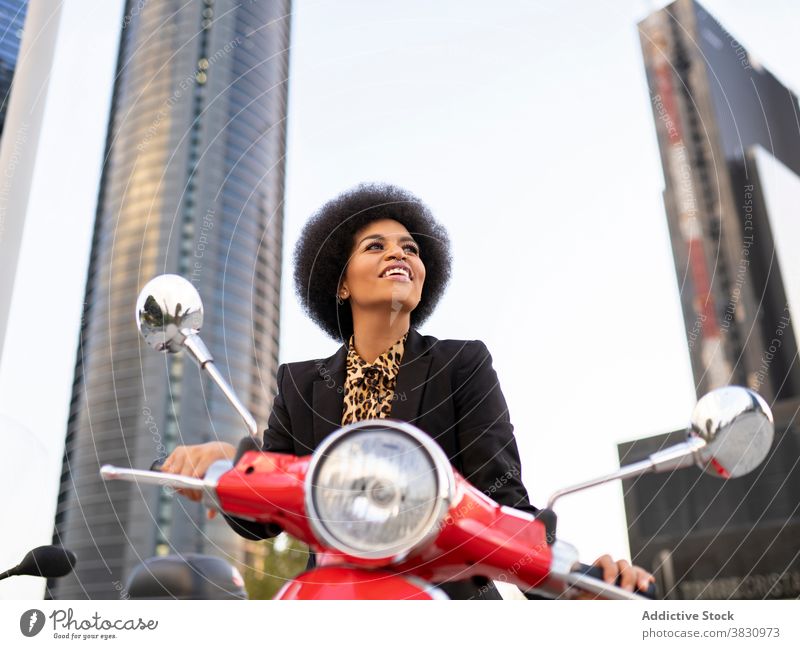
411, 378
328, 395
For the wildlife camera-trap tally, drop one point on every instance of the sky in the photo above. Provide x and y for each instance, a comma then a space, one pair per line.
528, 131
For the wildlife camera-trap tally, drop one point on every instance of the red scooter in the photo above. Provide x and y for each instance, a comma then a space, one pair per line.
387, 515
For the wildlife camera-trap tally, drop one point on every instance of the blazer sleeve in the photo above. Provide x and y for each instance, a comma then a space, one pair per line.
487, 451
278, 436
277, 439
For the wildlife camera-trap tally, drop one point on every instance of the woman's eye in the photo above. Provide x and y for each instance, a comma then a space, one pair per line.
408, 246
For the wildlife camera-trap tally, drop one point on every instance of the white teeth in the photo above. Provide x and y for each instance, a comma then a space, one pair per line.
396, 271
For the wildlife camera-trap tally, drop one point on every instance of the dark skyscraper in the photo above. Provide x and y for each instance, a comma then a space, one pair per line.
717, 110
192, 184
730, 147
12, 18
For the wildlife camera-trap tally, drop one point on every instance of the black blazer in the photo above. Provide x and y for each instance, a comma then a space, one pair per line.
447, 388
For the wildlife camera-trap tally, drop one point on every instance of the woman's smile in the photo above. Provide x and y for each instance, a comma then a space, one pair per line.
398, 269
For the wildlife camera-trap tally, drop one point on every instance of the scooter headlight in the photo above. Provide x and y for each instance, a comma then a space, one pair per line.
378, 489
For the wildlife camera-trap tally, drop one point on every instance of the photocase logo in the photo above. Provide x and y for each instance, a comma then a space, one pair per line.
31, 622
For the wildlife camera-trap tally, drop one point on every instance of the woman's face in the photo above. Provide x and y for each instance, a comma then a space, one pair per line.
378, 247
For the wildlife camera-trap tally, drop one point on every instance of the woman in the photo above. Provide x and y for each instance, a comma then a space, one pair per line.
370, 267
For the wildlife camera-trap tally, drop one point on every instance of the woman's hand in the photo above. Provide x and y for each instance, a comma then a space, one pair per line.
630, 576
193, 461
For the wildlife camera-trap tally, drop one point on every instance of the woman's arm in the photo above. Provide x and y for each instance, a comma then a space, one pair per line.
194, 460
277, 439
487, 451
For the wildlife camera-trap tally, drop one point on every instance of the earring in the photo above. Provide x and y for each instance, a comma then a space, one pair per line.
339, 300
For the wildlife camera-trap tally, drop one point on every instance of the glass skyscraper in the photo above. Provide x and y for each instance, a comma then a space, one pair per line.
12, 18
192, 184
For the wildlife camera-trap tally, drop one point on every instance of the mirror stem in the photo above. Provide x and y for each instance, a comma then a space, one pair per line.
675, 457
197, 348
199, 352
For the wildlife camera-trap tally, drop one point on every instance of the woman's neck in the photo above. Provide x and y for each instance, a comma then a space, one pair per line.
376, 332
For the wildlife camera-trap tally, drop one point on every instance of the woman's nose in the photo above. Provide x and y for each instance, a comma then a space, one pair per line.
395, 252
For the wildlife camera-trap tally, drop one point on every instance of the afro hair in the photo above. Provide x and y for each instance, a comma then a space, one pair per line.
326, 242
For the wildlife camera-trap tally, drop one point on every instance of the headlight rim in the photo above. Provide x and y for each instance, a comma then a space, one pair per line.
445, 496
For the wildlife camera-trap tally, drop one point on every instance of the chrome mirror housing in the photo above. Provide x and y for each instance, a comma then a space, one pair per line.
737, 427
168, 310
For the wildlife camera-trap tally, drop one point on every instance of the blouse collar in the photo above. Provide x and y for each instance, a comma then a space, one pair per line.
384, 364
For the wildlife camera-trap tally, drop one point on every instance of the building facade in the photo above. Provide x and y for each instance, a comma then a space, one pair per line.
12, 20
715, 108
192, 184
727, 128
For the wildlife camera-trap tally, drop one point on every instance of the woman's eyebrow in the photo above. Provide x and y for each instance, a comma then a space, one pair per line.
380, 236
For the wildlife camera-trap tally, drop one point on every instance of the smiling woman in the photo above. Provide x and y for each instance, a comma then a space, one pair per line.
370, 267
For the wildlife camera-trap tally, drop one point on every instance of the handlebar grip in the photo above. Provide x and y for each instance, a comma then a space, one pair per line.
157, 464
597, 573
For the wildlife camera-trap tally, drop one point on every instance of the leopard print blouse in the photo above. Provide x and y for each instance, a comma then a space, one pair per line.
369, 388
